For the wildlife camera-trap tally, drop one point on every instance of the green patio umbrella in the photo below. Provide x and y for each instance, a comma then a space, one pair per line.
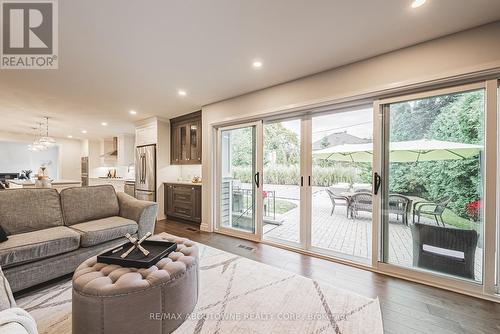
403, 151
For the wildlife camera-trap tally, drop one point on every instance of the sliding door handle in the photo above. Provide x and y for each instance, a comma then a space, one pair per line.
301, 181
256, 178
309, 180
377, 181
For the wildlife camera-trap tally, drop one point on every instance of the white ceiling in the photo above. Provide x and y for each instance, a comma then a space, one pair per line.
117, 55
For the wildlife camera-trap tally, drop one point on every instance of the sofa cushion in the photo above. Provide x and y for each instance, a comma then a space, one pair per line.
98, 231
84, 204
33, 246
27, 210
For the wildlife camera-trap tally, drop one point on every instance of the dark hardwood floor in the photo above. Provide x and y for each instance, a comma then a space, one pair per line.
407, 307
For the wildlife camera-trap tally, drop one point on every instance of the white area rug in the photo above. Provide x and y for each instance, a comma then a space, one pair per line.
239, 295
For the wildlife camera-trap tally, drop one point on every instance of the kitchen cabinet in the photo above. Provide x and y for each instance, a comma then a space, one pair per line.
126, 150
185, 140
183, 201
118, 184
146, 134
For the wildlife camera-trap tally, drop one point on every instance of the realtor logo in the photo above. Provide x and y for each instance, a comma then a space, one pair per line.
29, 34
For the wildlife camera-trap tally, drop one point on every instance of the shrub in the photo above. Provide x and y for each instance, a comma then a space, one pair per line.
290, 175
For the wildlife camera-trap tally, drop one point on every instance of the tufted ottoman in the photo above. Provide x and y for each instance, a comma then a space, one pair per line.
112, 299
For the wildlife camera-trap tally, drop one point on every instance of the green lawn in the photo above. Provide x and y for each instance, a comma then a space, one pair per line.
450, 218
283, 206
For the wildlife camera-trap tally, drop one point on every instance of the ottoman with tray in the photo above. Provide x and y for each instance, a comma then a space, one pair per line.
111, 299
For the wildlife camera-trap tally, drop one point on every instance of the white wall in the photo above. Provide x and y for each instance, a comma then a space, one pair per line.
460, 53
69, 167
16, 157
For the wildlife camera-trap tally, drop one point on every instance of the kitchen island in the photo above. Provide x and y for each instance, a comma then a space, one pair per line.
56, 184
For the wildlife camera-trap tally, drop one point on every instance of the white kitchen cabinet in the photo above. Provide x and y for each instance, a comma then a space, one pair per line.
126, 150
146, 134
118, 184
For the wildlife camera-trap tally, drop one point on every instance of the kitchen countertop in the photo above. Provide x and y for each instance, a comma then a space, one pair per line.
184, 183
55, 182
118, 179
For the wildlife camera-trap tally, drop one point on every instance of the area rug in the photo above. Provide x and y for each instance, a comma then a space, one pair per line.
238, 295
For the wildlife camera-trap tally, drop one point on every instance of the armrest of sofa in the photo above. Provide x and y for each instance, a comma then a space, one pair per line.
142, 212
6, 298
17, 321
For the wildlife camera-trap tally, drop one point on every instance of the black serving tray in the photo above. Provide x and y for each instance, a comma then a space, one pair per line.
136, 259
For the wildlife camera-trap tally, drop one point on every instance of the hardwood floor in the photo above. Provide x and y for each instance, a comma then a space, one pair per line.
407, 307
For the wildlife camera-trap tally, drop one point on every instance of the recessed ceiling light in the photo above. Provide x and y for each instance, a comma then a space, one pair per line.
104, 124
133, 112
70, 136
417, 3
257, 64
182, 92
84, 131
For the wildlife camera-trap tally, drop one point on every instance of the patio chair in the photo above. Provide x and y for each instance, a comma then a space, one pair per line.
400, 206
336, 198
446, 250
434, 209
362, 187
361, 202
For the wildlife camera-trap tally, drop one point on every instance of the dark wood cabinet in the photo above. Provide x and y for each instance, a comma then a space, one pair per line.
183, 201
185, 141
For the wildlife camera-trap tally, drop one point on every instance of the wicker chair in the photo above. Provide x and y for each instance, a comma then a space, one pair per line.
442, 239
361, 201
400, 206
335, 198
436, 209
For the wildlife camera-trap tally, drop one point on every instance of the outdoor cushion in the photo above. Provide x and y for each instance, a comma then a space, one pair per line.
84, 204
27, 210
34, 246
98, 231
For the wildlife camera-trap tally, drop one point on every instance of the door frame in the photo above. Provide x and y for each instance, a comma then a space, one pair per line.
486, 286
257, 190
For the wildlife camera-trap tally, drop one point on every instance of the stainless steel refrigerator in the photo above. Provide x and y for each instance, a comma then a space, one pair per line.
145, 173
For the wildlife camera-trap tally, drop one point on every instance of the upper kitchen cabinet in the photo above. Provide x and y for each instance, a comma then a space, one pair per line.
126, 150
185, 141
146, 133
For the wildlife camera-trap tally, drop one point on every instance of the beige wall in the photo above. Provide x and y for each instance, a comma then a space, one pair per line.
69, 154
464, 52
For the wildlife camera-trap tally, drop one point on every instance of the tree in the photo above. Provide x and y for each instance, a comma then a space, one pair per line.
456, 118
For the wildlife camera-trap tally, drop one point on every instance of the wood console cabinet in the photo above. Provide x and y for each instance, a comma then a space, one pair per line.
183, 201
185, 139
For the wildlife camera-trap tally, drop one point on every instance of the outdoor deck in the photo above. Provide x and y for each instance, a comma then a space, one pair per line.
351, 237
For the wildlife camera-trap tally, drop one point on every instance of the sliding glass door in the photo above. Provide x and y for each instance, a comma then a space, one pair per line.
407, 186
282, 181
342, 209
433, 199
239, 179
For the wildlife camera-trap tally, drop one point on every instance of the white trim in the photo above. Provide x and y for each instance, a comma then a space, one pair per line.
306, 190
376, 168
257, 193
490, 186
433, 92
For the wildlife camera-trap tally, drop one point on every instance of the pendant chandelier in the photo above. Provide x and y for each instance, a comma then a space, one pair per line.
42, 141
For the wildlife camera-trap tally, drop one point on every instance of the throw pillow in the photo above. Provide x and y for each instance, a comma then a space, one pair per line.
3, 234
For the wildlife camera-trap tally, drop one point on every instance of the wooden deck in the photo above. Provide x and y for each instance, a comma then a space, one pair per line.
349, 237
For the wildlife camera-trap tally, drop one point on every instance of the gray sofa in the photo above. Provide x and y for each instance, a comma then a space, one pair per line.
50, 234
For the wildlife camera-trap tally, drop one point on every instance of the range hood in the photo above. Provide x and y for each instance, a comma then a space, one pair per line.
111, 150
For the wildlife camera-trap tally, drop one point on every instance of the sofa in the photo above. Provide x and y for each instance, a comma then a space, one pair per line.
51, 233
13, 320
